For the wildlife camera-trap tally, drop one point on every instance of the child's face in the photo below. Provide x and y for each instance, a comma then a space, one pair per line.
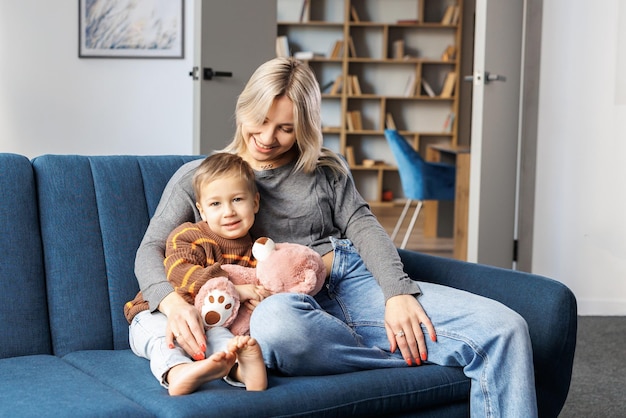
228, 206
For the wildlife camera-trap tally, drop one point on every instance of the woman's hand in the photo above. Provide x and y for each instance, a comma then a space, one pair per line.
184, 325
404, 316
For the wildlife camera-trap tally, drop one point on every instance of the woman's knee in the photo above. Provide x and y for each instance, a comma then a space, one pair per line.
509, 324
280, 311
281, 317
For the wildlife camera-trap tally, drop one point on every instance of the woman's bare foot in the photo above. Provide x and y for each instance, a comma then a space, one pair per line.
187, 377
250, 369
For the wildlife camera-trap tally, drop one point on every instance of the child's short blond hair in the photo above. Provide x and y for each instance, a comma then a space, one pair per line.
223, 164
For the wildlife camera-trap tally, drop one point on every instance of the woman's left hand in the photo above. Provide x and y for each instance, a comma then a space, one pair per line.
404, 316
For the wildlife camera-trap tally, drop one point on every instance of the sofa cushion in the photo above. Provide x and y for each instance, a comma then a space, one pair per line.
23, 311
367, 393
94, 211
46, 386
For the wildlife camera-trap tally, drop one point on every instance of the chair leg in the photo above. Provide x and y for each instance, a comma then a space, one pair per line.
401, 219
412, 224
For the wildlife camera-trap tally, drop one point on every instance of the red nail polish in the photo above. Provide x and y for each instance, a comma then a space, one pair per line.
171, 345
424, 356
409, 362
203, 348
198, 356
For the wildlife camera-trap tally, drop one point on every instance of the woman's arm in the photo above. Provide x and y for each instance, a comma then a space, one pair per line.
354, 218
403, 312
177, 205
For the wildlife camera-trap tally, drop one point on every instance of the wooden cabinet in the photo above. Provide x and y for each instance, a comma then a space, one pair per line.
380, 63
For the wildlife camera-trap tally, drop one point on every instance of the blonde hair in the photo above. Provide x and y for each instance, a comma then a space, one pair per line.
223, 164
295, 80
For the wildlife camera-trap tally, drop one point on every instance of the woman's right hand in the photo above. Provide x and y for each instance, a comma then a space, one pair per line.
184, 325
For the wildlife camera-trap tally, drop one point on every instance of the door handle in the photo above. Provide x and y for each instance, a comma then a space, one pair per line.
493, 77
208, 73
485, 77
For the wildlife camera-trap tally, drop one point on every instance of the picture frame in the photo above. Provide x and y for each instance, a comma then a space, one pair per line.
131, 29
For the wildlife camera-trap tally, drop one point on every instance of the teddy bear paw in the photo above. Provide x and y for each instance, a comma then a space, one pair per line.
217, 308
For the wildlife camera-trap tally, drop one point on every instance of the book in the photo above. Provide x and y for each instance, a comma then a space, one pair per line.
455, 15
327, 86
354, 14
306, 55
447, 15
350, 156
449, 54
389, 122
356, 86
368, 162
428, 88
353, 120
409, 89
448, 123
451, 15
407, 21
351, 47
398, 49
282, 46
448, 85
356, 120
336, 50
349, 121
304, 12
336, 85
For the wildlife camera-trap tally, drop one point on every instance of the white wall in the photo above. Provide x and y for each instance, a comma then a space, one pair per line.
580, 212
53, 102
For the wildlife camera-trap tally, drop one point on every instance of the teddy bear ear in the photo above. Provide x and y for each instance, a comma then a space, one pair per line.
262, 248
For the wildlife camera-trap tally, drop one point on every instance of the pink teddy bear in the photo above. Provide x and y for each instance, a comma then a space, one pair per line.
282, 267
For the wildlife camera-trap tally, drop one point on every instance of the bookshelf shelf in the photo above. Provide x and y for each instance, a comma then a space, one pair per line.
380, 62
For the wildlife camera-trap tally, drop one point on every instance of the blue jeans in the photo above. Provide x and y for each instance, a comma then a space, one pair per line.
342, 330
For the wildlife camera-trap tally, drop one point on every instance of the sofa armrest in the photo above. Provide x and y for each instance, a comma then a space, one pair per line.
548, 307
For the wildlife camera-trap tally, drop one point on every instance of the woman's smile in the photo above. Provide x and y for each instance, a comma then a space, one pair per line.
262, 147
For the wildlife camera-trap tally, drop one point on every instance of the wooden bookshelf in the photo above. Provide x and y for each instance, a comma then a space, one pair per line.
373, 59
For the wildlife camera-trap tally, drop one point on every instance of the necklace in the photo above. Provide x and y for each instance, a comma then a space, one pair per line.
267, 166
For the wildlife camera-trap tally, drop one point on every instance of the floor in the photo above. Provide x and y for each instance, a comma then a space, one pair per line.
388, 217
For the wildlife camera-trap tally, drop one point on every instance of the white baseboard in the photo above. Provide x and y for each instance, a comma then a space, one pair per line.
595, 307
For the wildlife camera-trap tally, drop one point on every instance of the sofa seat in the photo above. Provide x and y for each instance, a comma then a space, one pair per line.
46, 386
369, 393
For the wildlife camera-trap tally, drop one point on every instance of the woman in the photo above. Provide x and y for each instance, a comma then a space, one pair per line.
370, 314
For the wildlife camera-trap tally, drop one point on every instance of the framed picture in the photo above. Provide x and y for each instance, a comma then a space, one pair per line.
130, 29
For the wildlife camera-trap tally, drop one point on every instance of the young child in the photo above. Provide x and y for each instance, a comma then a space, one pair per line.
227, 199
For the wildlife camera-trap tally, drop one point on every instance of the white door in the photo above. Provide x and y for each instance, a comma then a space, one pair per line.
232, 38
495, 131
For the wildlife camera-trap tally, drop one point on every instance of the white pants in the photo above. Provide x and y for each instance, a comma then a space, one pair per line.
146, 336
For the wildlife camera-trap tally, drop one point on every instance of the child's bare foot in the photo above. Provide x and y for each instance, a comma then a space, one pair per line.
187, 377
250, 369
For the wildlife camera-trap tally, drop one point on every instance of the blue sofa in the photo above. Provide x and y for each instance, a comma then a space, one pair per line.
70, 226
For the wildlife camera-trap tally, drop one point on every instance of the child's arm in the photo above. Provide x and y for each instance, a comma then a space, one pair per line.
250, 293
188, 265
